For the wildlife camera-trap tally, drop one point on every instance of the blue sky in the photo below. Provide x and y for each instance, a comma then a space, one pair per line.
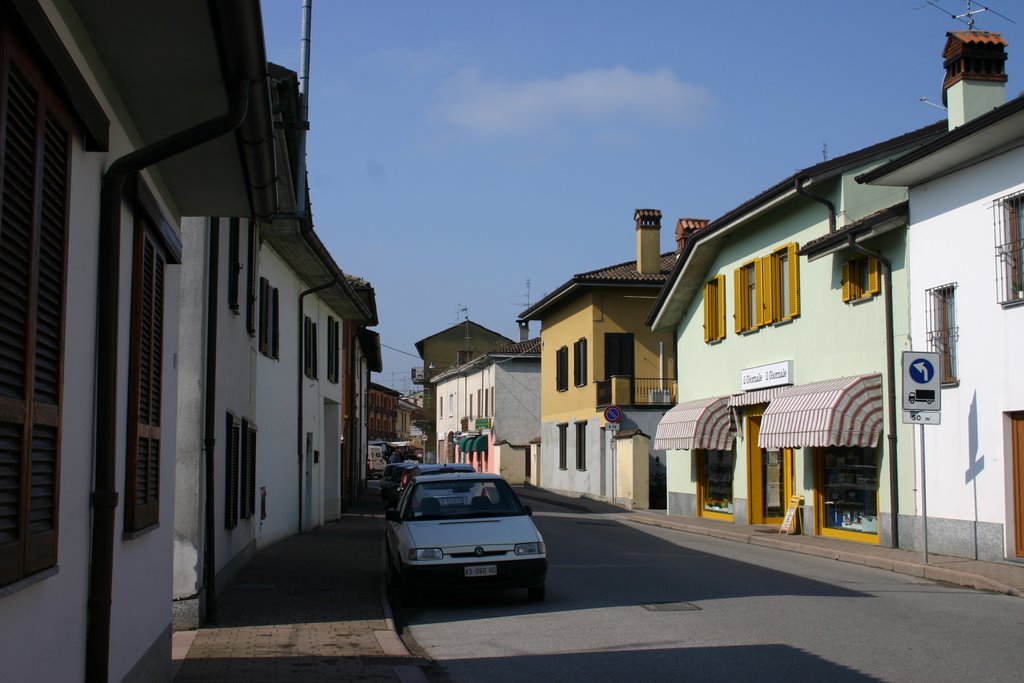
458, 149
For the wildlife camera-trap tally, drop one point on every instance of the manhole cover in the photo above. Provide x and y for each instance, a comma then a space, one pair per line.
670, 607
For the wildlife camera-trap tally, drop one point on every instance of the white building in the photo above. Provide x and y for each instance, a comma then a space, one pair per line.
967, 303
108, 143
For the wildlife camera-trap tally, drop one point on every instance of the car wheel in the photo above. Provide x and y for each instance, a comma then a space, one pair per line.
536, 593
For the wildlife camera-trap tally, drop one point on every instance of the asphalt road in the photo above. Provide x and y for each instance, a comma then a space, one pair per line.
629, 602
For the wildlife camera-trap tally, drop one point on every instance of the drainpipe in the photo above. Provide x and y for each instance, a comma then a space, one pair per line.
890, 398
300, 433
105, 496
799, 187
210, 425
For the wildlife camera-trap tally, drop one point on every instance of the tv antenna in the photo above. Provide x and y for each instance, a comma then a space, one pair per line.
517, 303
967, 17
462, 310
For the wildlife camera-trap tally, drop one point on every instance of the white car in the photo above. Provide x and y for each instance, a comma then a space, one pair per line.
463, 530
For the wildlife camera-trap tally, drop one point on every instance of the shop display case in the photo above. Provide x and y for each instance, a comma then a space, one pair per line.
718, 477
851, 490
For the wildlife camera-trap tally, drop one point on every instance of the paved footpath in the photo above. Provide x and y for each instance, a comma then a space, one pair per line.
313, 607
308, 608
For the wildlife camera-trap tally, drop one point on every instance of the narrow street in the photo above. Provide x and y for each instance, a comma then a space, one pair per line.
630, 601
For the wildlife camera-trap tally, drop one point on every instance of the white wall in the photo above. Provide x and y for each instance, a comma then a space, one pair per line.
969, 459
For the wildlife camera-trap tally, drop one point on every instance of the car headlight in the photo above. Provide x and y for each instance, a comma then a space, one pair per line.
535, 548
425, 554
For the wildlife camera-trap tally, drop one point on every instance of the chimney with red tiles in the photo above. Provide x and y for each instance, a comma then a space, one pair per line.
648, 241
975, 81
685, 227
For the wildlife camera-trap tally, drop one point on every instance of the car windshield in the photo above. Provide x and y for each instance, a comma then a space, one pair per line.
462, 498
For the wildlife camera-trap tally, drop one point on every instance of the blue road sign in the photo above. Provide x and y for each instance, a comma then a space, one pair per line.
922, 385
921, 371
612, 414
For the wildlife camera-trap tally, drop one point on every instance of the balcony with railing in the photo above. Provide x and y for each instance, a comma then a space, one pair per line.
623, 390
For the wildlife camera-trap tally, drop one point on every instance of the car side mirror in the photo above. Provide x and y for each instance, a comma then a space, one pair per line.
529, 510
391, 514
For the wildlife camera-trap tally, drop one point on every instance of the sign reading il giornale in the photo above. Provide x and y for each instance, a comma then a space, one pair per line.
765, 376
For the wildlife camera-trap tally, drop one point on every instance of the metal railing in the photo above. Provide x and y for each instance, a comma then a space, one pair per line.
636, 391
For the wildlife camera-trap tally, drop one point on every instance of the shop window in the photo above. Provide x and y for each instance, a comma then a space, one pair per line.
714, 309
850, 490
717, 469
941, 328
562, 369
861, 279
1008, 220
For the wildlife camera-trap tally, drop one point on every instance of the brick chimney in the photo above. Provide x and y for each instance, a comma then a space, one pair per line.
685, 227
524, 330
975, 81
648, 241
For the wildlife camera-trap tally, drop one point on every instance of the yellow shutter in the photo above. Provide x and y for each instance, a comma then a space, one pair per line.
758, 317
721, 306
708, 334
794, 280
739, 291
847, 286
766, 290
874, 277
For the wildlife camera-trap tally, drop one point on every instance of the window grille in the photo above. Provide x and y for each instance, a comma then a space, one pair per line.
941, 328
1008, 221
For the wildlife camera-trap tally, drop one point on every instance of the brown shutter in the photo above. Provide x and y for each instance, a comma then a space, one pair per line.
231, 473
142, 488
739, 299
874, 277
248, 482
794, 280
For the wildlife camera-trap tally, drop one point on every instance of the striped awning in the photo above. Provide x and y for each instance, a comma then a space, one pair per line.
704, 423
755, 396
837, 412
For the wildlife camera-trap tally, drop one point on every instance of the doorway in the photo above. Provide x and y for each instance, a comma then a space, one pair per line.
771, 476
1017, 436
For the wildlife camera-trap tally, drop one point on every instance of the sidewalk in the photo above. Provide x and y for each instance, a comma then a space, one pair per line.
309, 608
998, 577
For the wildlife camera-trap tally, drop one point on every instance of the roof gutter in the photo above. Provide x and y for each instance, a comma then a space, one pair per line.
798, 185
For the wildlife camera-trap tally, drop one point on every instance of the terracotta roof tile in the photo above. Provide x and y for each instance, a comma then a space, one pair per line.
627, 272
528, 346
977, 38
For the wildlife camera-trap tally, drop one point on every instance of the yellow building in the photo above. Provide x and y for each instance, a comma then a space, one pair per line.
598, 354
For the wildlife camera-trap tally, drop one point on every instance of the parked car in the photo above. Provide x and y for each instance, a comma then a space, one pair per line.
428, 469
463, 530
390, 480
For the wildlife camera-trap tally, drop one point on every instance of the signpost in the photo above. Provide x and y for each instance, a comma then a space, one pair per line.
922, 404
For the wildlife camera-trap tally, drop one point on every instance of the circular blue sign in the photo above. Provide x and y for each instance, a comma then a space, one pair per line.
921, 371
612, 414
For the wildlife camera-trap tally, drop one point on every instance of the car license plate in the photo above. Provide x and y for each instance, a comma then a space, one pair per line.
482, 570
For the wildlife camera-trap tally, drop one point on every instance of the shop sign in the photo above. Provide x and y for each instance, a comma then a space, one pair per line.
765, 376
483, 423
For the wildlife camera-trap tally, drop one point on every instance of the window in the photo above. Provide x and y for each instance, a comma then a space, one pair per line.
581, 445
251, 280
231, 457
941, 328
248, 470
234, 267
714, 309
309, 364
33, 240
269, 328
782, 285
748, 315
142, 474
451, 405
440, 406
562, 447
562, 369
333, 349
861, 279
464, 357
768, 289
579, 363
1009, 227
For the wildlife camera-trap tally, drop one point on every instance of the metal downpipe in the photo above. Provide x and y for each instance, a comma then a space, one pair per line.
210, 425
105, 495
798, 185
890, 393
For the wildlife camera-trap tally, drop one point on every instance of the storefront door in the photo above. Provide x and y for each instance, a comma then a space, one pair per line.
771, 477
1017, 435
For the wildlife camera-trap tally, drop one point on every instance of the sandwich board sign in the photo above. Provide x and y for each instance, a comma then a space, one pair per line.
922, 395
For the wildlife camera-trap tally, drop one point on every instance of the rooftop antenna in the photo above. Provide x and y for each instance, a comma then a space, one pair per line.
461, 310
517, 303
824, 151
966, 17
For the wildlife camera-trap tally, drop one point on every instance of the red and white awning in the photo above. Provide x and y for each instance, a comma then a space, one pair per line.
836, 412
750, 398
705, 423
